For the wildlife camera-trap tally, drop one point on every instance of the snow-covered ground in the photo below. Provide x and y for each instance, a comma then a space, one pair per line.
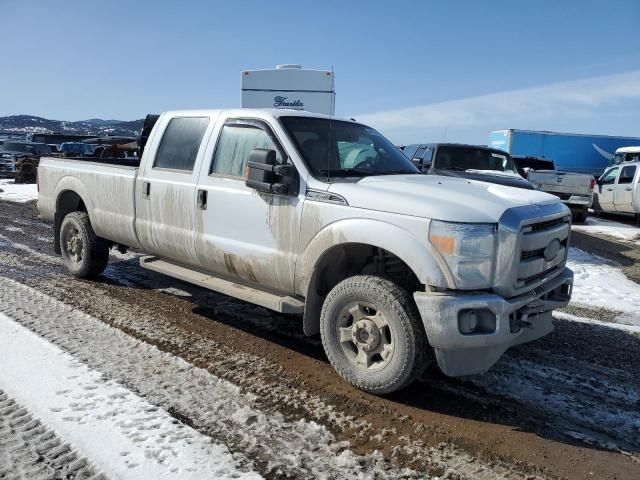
122, 434
17, 193
601, 226
598, 283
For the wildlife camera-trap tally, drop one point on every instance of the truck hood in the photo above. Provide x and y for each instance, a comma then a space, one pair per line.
491, 176
437, 197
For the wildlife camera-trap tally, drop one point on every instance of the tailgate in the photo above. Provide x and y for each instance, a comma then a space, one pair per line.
561, 182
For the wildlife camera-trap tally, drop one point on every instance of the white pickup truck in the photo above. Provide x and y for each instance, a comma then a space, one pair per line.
303, 213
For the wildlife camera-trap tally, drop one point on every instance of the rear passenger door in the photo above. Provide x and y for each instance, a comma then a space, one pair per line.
166, 189
623, 189
241, 233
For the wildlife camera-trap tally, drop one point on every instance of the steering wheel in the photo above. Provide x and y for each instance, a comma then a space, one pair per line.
365, 164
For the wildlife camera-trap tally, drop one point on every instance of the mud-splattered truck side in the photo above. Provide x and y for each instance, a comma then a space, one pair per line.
303, 213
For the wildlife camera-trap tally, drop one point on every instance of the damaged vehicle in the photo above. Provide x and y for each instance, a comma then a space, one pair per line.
306, 214
20, 159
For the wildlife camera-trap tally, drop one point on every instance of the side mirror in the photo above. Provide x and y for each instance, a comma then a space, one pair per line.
264, 175
526, 171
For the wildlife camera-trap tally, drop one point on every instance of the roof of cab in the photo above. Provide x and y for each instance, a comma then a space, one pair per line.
274, 112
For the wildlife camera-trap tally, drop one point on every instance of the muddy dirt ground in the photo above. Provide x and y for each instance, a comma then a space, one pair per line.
565, 406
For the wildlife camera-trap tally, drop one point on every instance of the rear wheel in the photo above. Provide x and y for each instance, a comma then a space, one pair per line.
579, 216
372, 334
84, 253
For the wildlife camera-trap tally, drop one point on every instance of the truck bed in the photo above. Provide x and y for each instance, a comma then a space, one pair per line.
107, 191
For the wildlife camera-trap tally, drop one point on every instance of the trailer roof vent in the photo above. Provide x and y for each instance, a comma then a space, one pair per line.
288, 65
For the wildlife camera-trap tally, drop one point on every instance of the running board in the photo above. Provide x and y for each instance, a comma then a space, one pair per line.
272, 301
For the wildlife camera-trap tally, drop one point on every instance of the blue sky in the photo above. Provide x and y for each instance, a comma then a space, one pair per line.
418, 71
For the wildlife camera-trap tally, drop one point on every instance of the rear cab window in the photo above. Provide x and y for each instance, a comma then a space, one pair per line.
180, 143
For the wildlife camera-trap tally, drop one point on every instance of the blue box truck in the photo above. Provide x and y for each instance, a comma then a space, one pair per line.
571, 152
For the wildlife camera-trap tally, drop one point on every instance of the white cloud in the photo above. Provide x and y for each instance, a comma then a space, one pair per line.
579, 99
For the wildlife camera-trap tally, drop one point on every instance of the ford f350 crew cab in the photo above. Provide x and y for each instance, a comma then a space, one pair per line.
303, 213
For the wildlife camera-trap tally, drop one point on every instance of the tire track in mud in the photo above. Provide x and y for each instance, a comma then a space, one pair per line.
279, 448
31, 451
414, 421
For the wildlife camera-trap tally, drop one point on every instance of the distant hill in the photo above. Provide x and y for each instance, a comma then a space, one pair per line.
93, 126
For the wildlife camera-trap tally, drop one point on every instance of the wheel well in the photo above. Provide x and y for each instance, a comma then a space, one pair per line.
343, 261
67, 202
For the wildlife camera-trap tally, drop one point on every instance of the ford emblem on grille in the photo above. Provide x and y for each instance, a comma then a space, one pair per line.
551, 250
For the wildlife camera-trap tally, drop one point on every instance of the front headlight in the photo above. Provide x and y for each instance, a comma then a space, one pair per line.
468, 249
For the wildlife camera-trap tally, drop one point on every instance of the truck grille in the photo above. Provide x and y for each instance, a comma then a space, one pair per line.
543, 250
532, 248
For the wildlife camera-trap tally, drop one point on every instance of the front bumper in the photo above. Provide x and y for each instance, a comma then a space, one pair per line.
518, 320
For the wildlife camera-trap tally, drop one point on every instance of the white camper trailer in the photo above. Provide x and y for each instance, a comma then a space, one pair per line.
289, 87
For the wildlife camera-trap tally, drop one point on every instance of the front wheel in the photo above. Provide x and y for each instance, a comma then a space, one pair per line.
84, 253
372, 334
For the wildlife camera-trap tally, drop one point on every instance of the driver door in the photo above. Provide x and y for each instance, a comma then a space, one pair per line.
606, 186
243, 234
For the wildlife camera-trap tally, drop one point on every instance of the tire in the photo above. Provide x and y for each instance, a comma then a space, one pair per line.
579, 216
374, 312
84, 253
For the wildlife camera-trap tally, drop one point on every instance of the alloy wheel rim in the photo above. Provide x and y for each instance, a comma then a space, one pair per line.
365, 336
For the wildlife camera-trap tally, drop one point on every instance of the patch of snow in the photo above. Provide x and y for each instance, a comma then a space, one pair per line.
593, 321
125, 436
612, 228
598, 283
22, 192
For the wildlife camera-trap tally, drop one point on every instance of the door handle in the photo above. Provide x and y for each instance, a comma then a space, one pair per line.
202, 199
146, 189
609, 189
628, 189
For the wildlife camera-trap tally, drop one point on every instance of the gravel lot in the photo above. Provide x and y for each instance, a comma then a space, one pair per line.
565, 406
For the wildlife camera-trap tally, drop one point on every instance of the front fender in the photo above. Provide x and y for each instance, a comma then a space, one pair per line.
417, 254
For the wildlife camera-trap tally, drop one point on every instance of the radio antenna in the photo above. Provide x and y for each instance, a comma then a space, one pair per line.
444, 135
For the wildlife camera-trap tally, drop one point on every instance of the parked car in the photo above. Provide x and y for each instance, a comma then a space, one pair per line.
77, 149
307, 214
625, 155
574, 189
19, 159
466, 161
618, 190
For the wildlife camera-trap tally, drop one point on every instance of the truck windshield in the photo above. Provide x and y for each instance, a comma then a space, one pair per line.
469, 158
336, 148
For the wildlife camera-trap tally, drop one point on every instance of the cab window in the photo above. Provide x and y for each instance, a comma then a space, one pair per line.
235, 143
180, 143
609, 177
627, 174
410, 151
